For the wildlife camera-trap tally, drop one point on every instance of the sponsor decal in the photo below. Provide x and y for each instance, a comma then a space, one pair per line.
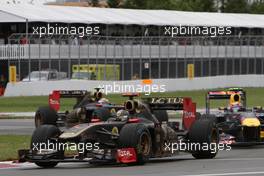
188, 114
126, 155
115, 131
175, 100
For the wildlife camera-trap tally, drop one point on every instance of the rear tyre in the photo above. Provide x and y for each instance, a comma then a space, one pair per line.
138, 137
45, 116
204, 132
198, 115
42, 135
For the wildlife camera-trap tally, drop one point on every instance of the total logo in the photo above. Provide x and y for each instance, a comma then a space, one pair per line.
54, 102
124, 153
188, 114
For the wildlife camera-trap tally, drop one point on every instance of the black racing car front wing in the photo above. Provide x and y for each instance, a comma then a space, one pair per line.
31, 156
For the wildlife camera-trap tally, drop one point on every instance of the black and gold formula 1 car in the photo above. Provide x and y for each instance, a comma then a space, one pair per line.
86, 105
238, 124
139, 131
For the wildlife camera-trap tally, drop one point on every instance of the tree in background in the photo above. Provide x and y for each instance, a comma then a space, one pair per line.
228, 6
187, 5
257, 7
235, 6
95, 3
135, 4
161, 4
196, 5
113, 3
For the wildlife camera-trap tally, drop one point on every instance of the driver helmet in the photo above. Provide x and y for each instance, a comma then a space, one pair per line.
103, 101
235, 107
122, 113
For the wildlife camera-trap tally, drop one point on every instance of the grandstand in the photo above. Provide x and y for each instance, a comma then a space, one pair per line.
133, 39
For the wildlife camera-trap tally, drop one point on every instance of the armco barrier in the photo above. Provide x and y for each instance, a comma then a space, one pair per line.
45, 87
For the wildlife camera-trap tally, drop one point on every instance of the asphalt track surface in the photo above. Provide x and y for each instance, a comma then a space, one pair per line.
22, 126
17, 126
235, 162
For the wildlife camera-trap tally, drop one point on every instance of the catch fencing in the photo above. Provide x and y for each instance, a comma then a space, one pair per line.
137, 57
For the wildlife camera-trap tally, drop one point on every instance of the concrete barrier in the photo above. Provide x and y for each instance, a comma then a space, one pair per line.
45, 87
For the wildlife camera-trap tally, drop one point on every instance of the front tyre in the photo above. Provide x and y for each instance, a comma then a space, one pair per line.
204, 132
45, 116
41, 136
138, 137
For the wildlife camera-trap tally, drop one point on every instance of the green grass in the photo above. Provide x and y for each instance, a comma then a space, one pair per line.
255, 96
10, 144
27, 104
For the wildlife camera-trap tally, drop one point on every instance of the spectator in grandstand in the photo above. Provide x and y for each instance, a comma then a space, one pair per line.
3, 80
81, 41
3, 83
75, 41
23, 41
135, 77
53, 42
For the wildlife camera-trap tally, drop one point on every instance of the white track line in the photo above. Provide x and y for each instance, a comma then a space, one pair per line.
238, 159
12, 165
230, 173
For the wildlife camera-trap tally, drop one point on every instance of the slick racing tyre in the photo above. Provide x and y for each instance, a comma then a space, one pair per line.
45, 116
41, 136
138, 137
198, 115
204, 132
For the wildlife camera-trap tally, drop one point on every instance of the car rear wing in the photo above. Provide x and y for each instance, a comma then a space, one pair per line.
222, 95
164, 103
56, 95
175, 103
